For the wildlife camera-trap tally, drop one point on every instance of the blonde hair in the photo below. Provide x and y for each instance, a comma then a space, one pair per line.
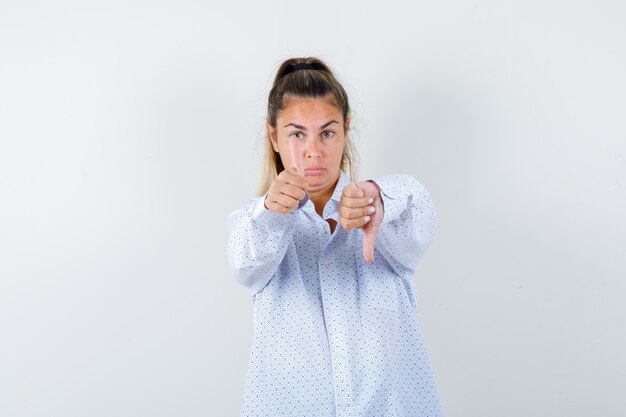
315, 81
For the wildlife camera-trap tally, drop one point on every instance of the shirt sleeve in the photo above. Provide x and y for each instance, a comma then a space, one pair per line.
408, 224
257, 242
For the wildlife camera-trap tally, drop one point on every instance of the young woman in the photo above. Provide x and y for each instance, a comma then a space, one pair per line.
330, 265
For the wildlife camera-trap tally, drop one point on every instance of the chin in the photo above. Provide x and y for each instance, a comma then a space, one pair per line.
313, 185
318, 182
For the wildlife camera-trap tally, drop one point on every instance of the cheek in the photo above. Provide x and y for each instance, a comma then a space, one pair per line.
285, 157
338, 150
285, 151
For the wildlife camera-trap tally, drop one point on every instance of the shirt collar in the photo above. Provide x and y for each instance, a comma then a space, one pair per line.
342, 182
330, 211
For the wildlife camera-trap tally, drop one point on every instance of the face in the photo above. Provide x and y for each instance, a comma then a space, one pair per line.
310, 135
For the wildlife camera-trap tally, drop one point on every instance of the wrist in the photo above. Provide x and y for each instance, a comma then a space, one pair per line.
378, 188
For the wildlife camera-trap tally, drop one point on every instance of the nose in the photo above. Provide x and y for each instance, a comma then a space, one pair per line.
313, 149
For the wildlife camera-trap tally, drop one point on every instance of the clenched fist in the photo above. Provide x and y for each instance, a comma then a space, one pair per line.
286, 191
362, 206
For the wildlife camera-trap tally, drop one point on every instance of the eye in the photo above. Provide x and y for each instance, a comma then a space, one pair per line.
328, 134
297, 135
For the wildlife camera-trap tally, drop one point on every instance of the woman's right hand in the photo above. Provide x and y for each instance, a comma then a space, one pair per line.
286, 191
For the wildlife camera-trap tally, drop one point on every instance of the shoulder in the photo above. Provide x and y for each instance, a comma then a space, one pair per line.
248, 208
249, 205
400, 185
254, 211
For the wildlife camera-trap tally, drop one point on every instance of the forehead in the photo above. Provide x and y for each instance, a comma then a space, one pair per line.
309, 109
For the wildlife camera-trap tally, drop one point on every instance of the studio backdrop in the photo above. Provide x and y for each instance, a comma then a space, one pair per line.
129, 130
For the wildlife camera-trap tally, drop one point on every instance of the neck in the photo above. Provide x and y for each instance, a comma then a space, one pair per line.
321, 197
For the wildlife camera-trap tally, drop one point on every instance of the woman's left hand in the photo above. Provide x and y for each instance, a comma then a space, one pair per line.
361, 206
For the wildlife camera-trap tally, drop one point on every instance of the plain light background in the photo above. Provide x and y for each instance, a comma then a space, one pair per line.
128, 131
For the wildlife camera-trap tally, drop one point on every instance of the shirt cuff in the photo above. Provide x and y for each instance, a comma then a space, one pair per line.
262, 214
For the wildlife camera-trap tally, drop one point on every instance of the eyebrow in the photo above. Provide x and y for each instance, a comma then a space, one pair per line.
304, 128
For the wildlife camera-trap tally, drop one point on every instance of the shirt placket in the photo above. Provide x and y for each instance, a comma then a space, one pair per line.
334, 317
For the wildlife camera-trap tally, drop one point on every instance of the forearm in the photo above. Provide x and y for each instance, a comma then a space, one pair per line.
408, 224
257, 242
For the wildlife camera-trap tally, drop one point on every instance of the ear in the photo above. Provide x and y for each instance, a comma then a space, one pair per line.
347, 124
272, 134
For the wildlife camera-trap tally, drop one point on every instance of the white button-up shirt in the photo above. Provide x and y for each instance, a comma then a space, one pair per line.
333, 334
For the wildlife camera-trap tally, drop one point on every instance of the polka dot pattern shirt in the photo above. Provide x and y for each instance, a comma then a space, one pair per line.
334, 335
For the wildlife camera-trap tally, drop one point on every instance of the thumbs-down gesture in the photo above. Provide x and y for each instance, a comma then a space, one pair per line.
361, 206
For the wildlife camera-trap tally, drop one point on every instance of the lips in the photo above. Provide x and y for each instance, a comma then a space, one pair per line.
316, 170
